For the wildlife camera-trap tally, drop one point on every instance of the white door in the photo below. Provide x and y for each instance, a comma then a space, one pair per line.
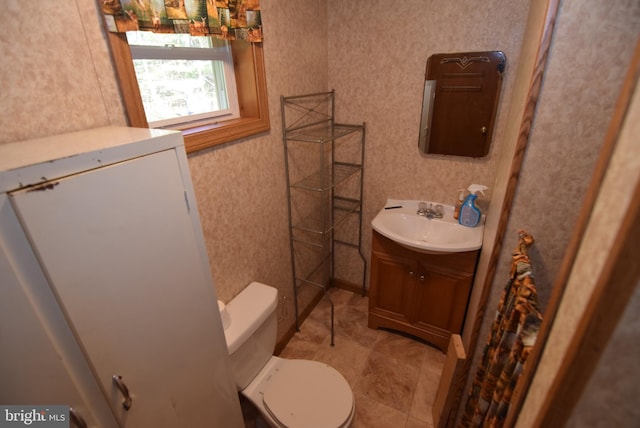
120, 249
32, 372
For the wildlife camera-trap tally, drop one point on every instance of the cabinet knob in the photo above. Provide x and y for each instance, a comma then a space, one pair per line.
421, 277
117, 381
411, 273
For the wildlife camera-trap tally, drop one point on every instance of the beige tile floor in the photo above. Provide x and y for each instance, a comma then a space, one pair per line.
394, 378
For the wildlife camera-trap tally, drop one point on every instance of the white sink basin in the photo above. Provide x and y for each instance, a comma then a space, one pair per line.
438, 235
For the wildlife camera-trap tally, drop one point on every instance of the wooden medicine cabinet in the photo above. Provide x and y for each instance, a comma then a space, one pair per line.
460, 100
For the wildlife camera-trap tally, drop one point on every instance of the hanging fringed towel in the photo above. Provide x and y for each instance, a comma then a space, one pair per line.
512, 337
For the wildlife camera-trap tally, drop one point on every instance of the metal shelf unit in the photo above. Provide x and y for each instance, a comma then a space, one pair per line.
324, 168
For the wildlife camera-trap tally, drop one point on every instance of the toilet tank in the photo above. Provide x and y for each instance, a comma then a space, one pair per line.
251, 331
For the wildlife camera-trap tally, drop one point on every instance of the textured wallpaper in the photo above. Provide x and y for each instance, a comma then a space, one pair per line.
609, 396
572, 119
56, 77
241, 186
377, 63
374, 55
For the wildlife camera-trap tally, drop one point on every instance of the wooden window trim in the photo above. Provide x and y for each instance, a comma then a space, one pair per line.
248, 61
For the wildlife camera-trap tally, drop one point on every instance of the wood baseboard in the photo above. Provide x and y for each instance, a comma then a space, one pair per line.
349, 286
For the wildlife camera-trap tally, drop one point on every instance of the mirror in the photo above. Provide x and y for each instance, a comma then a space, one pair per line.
459, 104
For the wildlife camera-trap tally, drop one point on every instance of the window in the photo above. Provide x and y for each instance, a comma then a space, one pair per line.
252, 115
183, 79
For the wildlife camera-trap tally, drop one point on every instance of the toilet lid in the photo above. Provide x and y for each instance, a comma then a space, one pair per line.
308, 394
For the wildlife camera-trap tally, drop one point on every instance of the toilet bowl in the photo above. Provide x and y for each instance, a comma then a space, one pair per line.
288, 392
302, 393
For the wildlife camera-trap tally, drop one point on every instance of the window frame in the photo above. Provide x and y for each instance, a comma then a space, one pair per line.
248, 62
223, 58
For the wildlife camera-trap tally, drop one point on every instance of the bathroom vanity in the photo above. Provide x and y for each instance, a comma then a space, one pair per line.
418, 293
108, 304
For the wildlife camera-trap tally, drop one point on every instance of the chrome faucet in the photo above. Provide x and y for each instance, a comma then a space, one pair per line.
430, 212
422, 208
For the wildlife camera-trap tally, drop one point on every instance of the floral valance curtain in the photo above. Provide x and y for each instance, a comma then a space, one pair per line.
224, 19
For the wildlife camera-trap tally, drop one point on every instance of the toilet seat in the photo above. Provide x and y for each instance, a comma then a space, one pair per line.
308, 394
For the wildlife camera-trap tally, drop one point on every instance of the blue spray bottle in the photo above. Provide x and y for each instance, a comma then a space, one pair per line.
470, 215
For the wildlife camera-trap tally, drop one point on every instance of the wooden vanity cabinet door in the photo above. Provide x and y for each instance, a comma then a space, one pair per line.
392, 287
441, 297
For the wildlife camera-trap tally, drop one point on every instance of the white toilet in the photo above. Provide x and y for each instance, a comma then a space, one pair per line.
288, 393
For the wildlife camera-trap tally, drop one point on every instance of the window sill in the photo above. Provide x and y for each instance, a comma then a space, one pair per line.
202, 137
